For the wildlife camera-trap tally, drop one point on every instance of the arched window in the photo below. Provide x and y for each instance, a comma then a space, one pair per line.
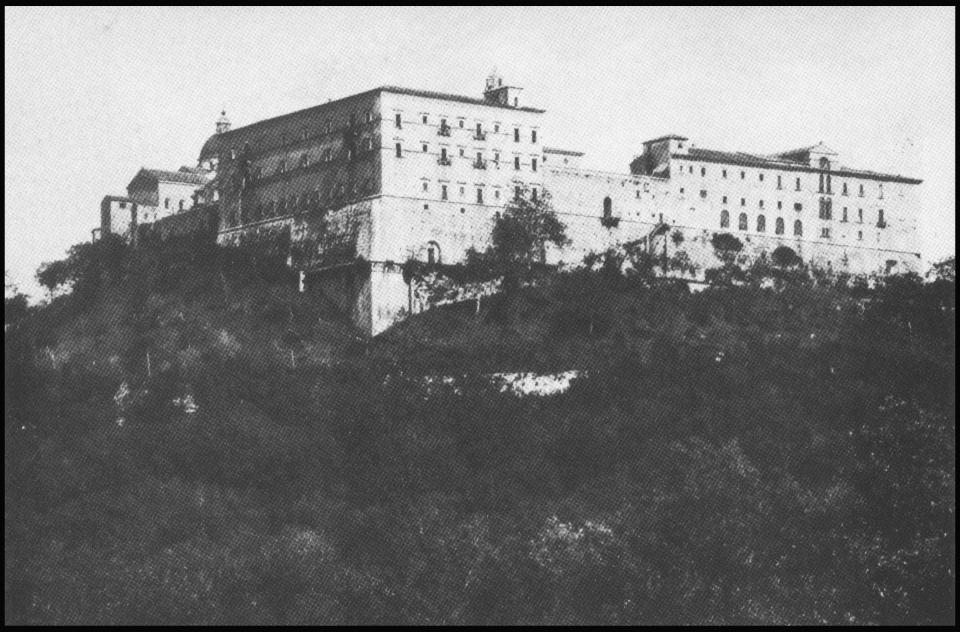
724, 219
743, 221
607, 207
181, 208
761, 224
433, 252
798, 228
779, 226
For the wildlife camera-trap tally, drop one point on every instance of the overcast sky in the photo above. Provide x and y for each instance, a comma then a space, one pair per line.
91, 95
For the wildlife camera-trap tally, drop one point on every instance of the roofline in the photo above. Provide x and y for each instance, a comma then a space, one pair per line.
565, 152
392, 89
667, 137
851, 173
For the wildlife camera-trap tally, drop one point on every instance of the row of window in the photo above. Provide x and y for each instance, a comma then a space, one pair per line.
445, 192
478, 131
826, 208
779, 226
326, 127
478, 163
825, 182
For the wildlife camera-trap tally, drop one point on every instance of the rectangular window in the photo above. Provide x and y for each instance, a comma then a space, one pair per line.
703, 193
860, 215
123, 205
724, 173
533, 136
424, 119
779, 204
399, 151
844, 214
516, 134
798, 184
479, 196
533, 164
797, 206
761, 203
779, 182
703, 171
743, 201
724, 199
166, 203
859, 235
424, 147
516, 162
825, 233
743, 175
426, 186
396, 120
443, 192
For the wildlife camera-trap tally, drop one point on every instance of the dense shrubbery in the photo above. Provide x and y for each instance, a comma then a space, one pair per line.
739, 455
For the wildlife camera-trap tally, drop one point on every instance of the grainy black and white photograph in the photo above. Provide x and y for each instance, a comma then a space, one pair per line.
479, 316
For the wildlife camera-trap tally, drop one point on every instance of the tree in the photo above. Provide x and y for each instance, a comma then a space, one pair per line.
519, 239
944, 270
784, 257
726, 246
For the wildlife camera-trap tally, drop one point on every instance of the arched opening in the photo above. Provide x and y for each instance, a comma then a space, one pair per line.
724, 219
433, 253
743, 221
779, 226
798, 228
761, 224
607, 207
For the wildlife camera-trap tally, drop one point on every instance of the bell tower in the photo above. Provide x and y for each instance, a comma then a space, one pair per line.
223, 123
498, 93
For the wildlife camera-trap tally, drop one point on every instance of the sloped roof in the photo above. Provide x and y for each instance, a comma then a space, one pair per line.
667, 137
184, 177
215, 142
563, 152
744, 159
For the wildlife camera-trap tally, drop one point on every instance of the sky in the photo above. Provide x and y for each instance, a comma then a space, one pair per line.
93, 94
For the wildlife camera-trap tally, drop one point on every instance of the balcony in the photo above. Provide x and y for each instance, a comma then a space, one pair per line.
479, 164
609, 221
443, 160
443, 130
881, 224
480, 136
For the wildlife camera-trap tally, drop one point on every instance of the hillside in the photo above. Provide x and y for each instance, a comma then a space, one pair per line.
190, 440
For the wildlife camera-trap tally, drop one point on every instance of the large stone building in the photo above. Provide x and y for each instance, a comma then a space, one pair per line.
351, 189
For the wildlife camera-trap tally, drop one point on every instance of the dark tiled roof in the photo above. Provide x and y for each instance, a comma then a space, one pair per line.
214, 143
564, 152
116, 198
184, 177
667, 137
764, 162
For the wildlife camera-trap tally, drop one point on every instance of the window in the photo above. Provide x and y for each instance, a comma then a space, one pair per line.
826, 208
779, 182
724, 219
461, 152
496, 157
778, 226
703, 171
844, 214
533, 194
825, 232
681, 190
881, 190
861, 190
533, 164
461, 123
690, 169
396, 120
779, 205
443, 192
461, 191
424, 148
798, 184
443, 156
496, 194
479, 196
743, 201
797, 206
743, 222
496, 127
123, 205
516, 193
181, 208
844, 190
724, 173
424, 119
761, 224
533, 136
743, 175
724, 199
166, 203
761, 203
703, 193
859, 235
431, 255
399, 148
607, 207
516, 162
798, 228
761, 177
426, 186
880, 221
516, 134
368, 117
860, 215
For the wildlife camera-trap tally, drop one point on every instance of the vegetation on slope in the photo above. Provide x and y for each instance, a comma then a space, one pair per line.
739, 455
